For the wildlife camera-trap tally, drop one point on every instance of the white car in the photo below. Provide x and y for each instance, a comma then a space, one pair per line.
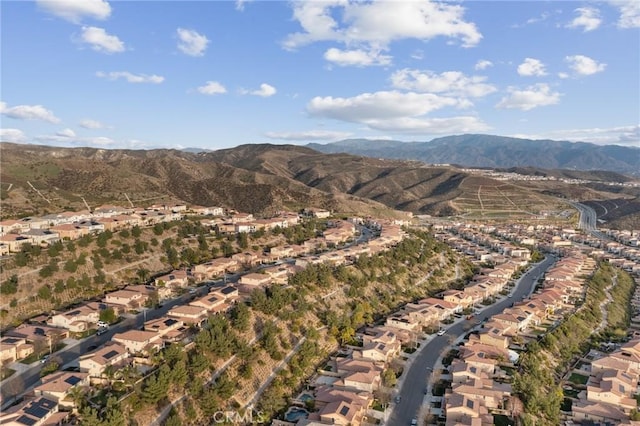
441, 332
102, 324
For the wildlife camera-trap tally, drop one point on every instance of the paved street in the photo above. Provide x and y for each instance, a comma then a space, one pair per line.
414, 379
30, 375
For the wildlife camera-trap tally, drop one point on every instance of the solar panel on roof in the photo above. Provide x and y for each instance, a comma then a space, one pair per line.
39, 409
170, 322
73, 380
344, 410
110, 354
26, 420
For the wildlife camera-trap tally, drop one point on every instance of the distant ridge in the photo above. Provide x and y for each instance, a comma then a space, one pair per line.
496, 151
194, 150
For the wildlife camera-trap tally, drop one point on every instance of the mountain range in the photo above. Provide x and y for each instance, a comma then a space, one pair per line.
264, 178
496, 151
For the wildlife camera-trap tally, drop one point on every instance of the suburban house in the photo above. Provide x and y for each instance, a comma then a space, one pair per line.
76, 320
34, 412
70, 231
137, 341
614, 387
461, 409
111, 354
15, 242
378, 351
210, 302
126, 298
13, 349
150, 291
253, 280
177, 278
58, 385
189, 314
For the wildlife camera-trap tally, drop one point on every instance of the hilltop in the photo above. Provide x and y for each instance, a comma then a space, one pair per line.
496, 151
264, 178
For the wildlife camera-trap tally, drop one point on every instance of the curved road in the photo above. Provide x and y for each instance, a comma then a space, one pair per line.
415, 381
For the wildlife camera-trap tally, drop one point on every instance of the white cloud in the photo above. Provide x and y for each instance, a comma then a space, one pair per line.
378, 105
395, 111
66, 133
75, 10
28, 112
448, 125
588, 18
64, 140
622, 135
584, 65
240, 4
629, 13
531, 67
130, 77
100, 41
563, 75
314, 135
356, 57
265, 91
532, 97
191, 43
12, 135
92, 124
212, 88
483, 64
372, 26
449, 82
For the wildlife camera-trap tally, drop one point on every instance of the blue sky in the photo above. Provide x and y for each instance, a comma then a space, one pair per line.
217, 74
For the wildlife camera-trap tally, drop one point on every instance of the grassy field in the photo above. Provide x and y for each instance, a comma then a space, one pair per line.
487, 198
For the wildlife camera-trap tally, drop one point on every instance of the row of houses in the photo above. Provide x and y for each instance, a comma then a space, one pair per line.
127, 348
613, 381
610, 392
48, 229
478, 390
343, 390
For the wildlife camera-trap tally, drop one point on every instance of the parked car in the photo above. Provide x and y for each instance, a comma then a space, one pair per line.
102, 330
441, 332
103, 324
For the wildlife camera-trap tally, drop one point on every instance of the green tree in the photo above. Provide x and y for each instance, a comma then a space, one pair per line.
241, 316
44, 292
142, 274
108, 315
389, 378
9, 286
21, 258
243, 240
140, 246
55, 249
158, 229
136, 231
70, 266
227, 249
